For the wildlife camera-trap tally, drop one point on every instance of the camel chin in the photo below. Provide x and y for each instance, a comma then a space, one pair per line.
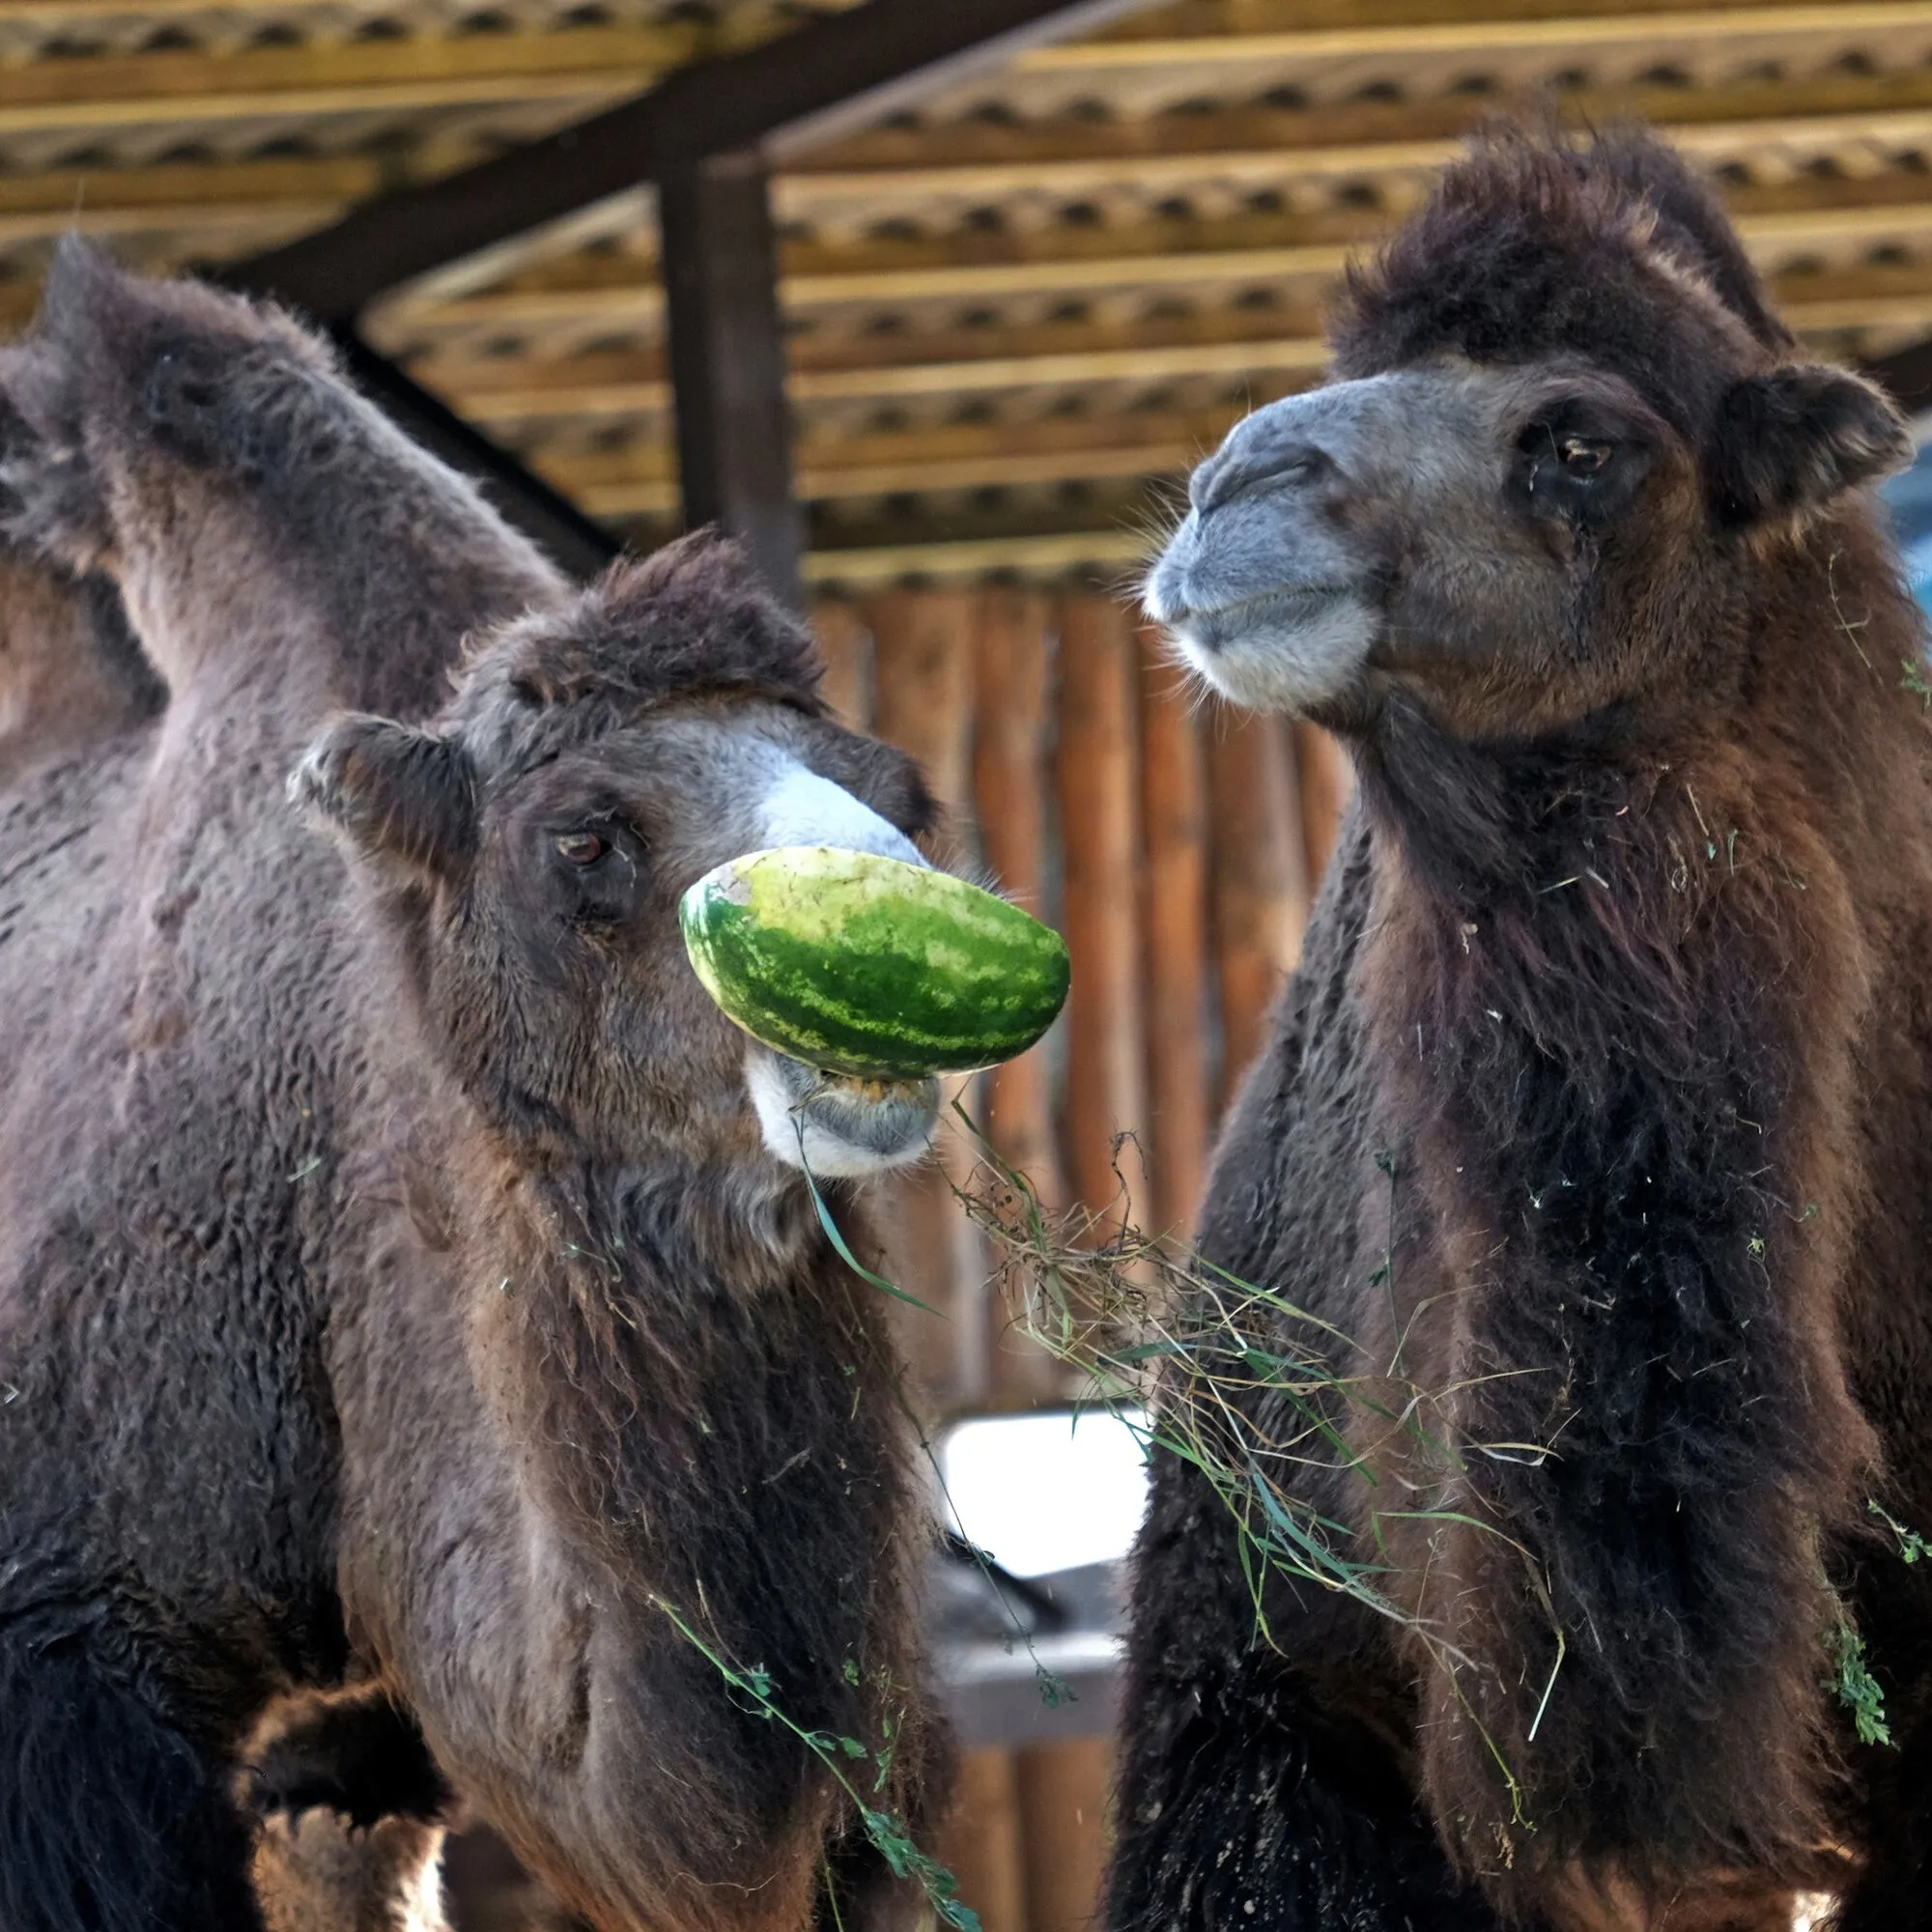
834, 1127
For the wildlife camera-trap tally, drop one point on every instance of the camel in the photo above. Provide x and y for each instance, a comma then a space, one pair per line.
1596, 1116
413, 1300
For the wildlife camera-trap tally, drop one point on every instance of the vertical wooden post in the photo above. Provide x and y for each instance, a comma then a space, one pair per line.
727, 366
922, 702
1064, 1793
1100, 847
981, 1842
1261, 877
845, 643
1011, 753
1175, 799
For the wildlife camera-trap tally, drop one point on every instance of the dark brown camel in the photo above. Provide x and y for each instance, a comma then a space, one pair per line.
1598, 1113
407, 1278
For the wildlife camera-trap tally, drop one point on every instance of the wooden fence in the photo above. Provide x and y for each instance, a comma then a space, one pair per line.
1175, 844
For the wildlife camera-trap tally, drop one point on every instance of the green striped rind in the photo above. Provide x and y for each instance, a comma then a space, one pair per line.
869, 966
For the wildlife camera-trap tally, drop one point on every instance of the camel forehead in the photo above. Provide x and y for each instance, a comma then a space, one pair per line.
743, 771
691, 753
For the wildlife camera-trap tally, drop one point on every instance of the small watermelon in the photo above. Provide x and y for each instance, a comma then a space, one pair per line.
871, 967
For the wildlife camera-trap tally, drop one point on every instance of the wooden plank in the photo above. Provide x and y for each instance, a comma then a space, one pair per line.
1131, 261
1240, 121
931, 457
549, 358
1205, 196
1287, 15
1012, 788
914, 474
1484, 34
1260, 877
58, 193
1155, 76
845, 643
1100, 509
1057, 371
922, 702
1098, 782
1144, 259
553, 353
1059, 555
1156, 434
980, 1844
923, 658
193, 229
1174, 792
818, 181
1064, 1797
727, 356
1192, 15
417, 65
569, 93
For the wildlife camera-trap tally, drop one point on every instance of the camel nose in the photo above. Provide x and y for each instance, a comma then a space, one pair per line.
802, 809
1242, 467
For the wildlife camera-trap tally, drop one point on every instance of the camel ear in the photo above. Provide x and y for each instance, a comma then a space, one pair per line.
1797, 438
394, 792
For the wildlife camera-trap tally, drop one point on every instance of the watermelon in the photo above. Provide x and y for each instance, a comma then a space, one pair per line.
871, 967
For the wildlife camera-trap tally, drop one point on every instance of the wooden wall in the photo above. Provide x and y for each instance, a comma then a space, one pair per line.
1175, 844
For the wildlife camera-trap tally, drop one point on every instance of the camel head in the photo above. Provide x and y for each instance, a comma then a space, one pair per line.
1567, 437
531, 845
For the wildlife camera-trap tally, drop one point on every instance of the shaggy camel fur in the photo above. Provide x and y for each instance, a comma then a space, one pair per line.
1597, 1113
407, 1280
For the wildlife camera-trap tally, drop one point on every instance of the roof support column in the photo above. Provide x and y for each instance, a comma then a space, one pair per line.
727, 365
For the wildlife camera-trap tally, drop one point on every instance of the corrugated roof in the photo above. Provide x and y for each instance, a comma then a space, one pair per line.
1013, 313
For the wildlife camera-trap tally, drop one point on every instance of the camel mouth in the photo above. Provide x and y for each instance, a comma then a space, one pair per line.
1211, 626
1292, 647
834, 1126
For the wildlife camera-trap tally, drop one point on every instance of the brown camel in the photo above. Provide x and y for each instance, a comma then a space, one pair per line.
1599, 1115
408, 1280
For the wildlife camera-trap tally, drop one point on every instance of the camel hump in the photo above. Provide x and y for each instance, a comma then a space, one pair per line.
162, 431
117, 368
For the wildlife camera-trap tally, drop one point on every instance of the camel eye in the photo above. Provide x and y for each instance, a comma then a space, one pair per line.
1583, 456
581, 848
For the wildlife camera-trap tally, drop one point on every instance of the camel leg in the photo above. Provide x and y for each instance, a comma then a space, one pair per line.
111, 1820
